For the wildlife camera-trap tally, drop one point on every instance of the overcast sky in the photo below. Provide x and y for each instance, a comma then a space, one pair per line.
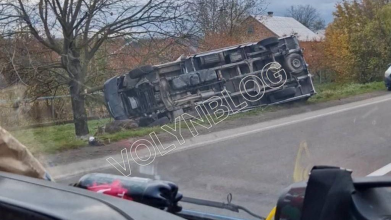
325, 7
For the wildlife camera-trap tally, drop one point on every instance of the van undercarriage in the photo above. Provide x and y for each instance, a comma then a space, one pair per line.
232, 79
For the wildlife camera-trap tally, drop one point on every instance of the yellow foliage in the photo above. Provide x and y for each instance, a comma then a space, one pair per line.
338, 55
356, 45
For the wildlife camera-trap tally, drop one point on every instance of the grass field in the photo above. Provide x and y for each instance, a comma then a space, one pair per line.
332, 91
53, 138
61, 137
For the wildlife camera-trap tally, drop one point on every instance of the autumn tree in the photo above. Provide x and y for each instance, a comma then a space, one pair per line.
314, 56
358, 41
75, 30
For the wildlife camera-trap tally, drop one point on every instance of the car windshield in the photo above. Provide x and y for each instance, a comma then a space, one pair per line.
231, 101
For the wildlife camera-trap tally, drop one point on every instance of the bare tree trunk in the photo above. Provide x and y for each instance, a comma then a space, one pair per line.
78, 108
76, 87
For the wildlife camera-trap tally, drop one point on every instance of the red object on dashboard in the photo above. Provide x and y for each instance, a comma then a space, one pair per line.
113, 189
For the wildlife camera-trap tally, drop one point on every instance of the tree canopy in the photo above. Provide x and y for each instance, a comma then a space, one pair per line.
358, 42
75, 30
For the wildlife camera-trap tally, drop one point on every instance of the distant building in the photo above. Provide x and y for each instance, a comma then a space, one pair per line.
261, 27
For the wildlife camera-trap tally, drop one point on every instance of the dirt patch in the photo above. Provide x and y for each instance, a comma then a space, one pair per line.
89, 152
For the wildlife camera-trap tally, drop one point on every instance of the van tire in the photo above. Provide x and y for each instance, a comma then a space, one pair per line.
294, 63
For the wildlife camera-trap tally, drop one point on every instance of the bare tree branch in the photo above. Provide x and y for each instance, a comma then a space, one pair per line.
308, 16
76, 30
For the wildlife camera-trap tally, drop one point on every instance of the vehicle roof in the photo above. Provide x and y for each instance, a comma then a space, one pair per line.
66, 202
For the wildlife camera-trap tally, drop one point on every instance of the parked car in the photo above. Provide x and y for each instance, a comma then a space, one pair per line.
271, 71
387, 78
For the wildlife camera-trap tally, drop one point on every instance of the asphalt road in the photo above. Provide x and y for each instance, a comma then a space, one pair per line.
255, 163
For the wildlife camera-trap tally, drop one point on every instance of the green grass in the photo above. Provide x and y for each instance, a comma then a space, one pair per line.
333, 91
54, 138
128, 134
61, 137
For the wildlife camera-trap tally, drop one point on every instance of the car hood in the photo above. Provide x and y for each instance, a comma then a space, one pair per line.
66, 202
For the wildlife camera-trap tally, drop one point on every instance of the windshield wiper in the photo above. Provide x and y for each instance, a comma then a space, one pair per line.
220, 205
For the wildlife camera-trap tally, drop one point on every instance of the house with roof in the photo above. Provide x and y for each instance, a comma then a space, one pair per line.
264, 26
321, 33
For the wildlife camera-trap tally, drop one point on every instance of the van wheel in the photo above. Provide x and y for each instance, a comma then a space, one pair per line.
389, 88
294, 63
